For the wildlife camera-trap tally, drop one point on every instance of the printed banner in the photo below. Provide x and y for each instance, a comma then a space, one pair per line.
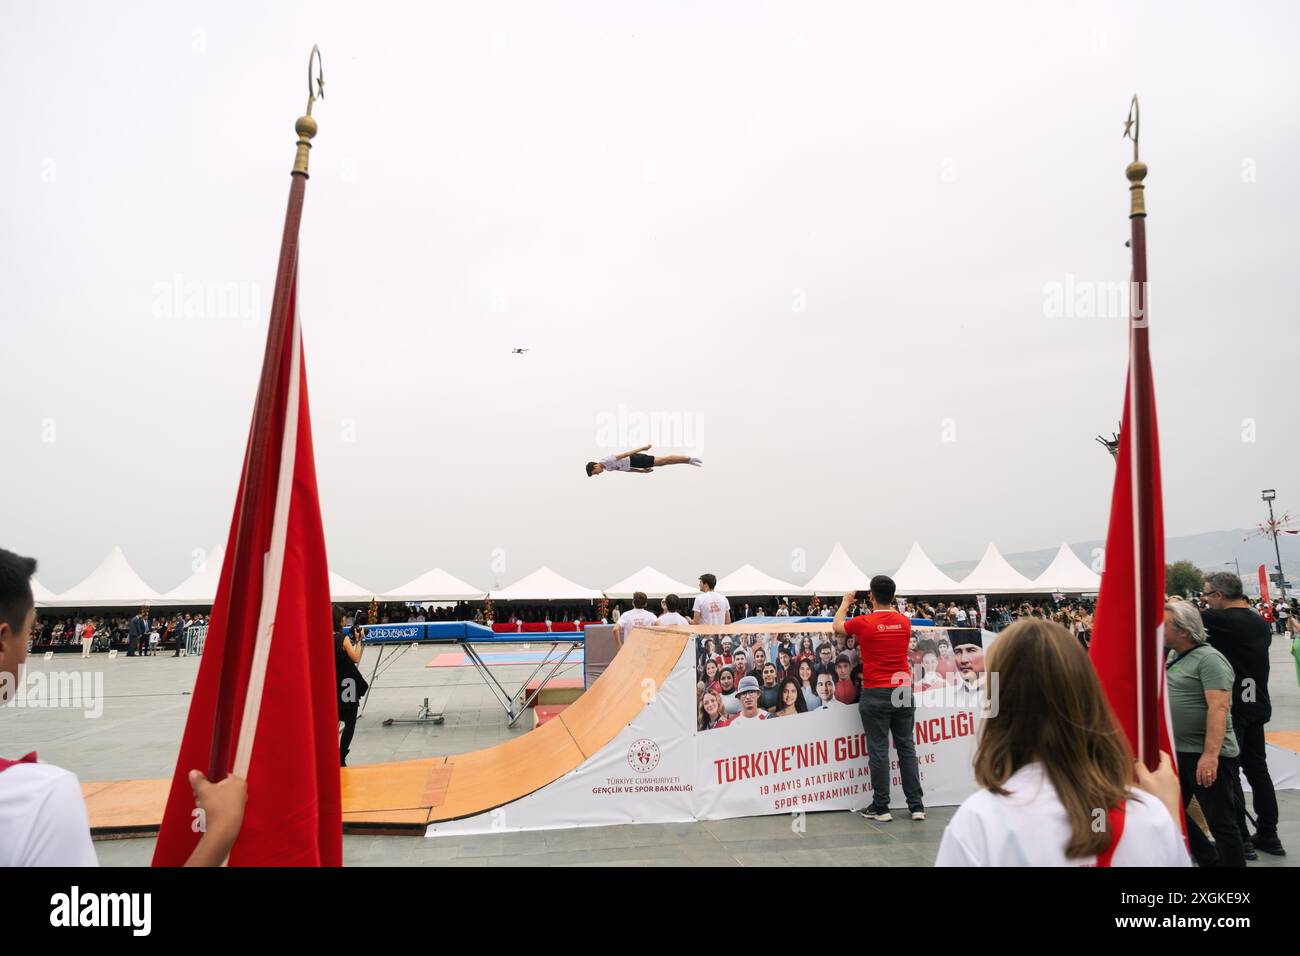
789, 740
780, 730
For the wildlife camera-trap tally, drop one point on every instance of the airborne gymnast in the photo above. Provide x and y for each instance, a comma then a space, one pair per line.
636, 460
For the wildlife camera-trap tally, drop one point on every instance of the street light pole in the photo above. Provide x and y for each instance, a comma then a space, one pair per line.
1268, 494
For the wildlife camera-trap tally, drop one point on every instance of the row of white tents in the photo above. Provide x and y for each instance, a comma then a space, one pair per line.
115, 583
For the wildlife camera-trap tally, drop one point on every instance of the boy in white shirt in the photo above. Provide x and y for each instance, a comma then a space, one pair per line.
670, 616
43, 819
637, 617
711, 608
636, 461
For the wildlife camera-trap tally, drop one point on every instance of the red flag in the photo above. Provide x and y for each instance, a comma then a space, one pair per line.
265, 703
1263, 593
1127, 648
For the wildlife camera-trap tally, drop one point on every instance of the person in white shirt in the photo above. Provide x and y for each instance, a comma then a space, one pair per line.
635, 461
637, 617
43, 819
671, 616
711, 608
1043, 805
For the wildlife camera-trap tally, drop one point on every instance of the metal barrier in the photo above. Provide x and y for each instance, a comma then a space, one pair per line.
195, 635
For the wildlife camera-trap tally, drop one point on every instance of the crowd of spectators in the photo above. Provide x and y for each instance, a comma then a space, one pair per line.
102, 632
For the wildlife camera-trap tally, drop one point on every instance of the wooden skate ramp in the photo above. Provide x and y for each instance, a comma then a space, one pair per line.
405, 796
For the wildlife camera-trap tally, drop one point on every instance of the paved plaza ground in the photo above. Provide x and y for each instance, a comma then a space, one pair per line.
146, 699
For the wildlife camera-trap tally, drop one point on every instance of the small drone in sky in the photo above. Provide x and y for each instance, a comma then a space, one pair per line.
518, 351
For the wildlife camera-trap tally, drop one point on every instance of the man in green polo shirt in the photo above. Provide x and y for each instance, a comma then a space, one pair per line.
1198, 681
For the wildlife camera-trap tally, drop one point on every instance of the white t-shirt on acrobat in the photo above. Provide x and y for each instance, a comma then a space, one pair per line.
637, 617
672, 619
614, 463
713, 608
43, 819
1029, 827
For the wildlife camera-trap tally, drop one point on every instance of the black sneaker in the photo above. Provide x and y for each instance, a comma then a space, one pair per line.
880, 816
1249, 847
1269, 844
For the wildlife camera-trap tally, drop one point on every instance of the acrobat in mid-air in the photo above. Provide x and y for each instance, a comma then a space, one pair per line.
636, 460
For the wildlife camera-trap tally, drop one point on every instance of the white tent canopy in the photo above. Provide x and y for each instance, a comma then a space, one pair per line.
652, 583
918, 575
838, 575
41, 594
1067, 575
748, 581
993, 575
345, 592
435, 585
113, 584
545, 585
200, 588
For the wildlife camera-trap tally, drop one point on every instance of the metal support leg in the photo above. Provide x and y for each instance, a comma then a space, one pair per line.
506, 699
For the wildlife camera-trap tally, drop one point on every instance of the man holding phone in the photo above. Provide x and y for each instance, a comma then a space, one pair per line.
885, 703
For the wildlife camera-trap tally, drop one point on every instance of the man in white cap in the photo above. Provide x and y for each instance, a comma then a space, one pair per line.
749, 693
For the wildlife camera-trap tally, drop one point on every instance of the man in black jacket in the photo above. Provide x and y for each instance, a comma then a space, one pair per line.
1237, 631
137, 629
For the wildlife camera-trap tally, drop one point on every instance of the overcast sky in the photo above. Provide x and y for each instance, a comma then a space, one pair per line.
822, 240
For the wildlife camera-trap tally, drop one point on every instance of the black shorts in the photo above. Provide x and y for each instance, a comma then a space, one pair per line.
643, 461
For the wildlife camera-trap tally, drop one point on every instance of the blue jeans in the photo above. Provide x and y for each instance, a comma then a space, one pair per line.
881, 719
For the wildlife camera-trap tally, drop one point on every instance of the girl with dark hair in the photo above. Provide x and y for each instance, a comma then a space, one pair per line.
806, 652
790, 699
1053, 763
807, 676
711, 676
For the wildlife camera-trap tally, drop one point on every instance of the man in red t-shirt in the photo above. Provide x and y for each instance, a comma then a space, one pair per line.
885, 703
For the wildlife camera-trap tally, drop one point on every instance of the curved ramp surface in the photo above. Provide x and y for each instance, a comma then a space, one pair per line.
405, 796
479, 781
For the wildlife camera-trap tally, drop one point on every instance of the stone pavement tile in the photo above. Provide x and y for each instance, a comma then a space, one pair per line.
840, 841
663, 834
928, 832
125, 852
486, 845
579, 838
605, 857
836, 821
818, 858
753, 828
472, 846
625, 837
708, 853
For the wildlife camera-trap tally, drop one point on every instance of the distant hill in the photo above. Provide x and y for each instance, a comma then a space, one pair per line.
1210, 551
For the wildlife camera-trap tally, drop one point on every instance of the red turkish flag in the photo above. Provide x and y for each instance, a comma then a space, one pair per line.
1263, 594
1127, 648
265, 704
